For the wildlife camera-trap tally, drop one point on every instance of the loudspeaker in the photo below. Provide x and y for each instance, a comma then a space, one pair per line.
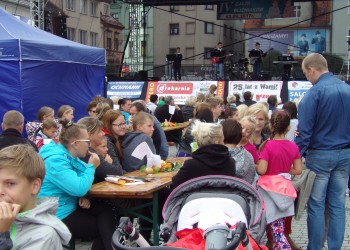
143, 75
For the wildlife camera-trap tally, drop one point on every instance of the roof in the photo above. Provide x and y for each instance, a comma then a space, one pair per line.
112, 22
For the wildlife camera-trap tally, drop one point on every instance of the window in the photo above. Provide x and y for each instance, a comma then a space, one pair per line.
190, 53
82, 6
209, 28
207, 53
189, 7
82, 36
93, 39
174, 29
209, 7
231, 32
93, 8
70, 5
225, 30
190, 28
297, 11
109, 40
174, 8
71, 34
105, 9
116, 41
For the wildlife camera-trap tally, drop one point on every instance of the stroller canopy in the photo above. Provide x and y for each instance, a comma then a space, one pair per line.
215, 184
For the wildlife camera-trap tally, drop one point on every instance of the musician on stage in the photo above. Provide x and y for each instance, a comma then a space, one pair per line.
218, 61
288, 67
256, 56
177, 64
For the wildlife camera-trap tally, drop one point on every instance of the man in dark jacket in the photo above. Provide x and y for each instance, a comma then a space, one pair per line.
177, 64
248, 96
162, 114
12, 127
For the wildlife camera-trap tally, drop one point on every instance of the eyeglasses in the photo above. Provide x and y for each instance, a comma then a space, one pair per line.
87, 141
119, 125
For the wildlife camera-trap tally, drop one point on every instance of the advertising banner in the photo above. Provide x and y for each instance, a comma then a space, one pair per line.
125, 89
180, 91
300, 42
278, 40
253, 9
297, 89
261, 90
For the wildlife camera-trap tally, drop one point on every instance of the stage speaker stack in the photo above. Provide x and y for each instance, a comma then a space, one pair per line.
143, 75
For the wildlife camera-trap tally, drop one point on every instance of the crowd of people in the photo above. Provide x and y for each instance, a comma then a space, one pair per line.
48, 174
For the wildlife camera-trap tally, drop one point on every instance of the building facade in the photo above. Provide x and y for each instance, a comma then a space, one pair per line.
196, 31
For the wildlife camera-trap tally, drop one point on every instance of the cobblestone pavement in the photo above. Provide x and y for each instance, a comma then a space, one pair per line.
299, 230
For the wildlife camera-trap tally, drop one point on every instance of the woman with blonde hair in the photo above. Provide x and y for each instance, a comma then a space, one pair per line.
260, 112
242, 110
211, 157
248, 127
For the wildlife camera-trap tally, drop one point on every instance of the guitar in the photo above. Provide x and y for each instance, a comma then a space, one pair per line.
253, 59
216, 59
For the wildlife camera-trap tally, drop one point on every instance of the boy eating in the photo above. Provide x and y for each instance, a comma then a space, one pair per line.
25, 221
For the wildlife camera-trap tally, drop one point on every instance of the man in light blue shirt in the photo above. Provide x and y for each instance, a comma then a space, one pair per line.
324, 137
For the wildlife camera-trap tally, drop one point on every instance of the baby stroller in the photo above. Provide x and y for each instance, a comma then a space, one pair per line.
213, 203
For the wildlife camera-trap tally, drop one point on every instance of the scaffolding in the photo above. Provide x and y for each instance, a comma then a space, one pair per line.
135, 58
37, 8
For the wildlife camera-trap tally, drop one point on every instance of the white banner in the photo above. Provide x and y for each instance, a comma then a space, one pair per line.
181, 90
297, 89
261, 90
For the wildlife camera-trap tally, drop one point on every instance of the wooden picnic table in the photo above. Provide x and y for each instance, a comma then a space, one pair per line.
179, 126
147, 190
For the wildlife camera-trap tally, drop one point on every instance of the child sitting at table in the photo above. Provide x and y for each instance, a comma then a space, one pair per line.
25, 221
142, 124
48, 130
102, 150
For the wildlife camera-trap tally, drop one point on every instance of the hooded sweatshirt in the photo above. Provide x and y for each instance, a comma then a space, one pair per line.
67, 178
38, 228
130, 141
213, 159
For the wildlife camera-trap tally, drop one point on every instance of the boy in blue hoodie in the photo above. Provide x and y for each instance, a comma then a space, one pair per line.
25, 221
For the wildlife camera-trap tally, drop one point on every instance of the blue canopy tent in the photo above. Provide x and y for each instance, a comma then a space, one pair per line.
40, 69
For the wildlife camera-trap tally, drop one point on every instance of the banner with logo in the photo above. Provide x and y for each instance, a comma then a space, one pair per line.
297, 89
261, 90
180, 91
125, 89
